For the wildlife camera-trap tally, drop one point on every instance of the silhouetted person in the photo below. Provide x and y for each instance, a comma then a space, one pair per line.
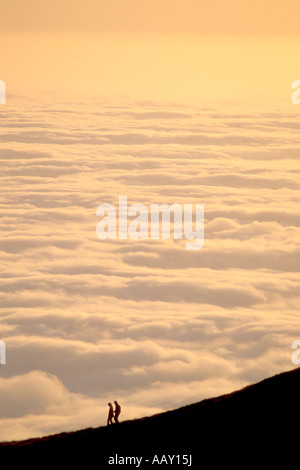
110, 414
117, 411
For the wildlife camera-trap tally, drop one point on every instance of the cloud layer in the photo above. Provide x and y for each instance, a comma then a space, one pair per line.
145, 322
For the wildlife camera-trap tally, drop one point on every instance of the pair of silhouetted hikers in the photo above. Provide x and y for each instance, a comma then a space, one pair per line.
113, 414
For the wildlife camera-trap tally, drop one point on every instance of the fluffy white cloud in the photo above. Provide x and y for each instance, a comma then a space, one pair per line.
145, 322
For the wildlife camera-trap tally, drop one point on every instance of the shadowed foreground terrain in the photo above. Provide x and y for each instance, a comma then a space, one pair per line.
257, 425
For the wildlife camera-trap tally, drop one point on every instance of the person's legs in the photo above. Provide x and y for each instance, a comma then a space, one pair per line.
109, 420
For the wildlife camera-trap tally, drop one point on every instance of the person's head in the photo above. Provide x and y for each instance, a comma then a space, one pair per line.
115, 402
109, 404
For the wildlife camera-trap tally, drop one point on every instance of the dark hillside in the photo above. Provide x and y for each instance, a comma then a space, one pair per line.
257, 425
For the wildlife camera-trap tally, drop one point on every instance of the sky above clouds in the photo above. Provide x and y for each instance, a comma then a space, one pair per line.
164, 102
178, 17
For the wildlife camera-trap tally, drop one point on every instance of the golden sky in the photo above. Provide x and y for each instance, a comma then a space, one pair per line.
183, 51
163, 101
194, 70
195, 17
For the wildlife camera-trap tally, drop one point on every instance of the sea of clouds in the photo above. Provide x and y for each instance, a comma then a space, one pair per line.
143, 322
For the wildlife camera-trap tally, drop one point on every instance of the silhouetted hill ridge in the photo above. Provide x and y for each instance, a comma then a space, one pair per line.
257, 423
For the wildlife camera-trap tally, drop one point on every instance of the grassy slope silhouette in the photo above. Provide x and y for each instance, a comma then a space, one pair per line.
256, 425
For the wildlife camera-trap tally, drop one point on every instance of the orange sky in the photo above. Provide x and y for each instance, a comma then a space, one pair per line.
183, 51
187, 70
196, 17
